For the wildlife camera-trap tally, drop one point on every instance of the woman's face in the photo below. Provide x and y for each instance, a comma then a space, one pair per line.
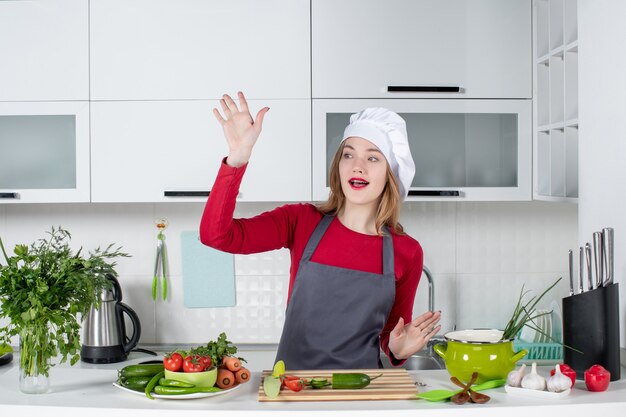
362, 171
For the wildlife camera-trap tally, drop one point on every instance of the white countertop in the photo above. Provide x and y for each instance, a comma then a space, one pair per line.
87, 389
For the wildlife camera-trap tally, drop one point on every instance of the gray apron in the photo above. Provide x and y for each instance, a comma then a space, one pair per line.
335, 315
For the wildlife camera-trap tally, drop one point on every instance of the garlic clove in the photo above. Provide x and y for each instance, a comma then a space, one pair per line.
533, 380
514, 378
558, 382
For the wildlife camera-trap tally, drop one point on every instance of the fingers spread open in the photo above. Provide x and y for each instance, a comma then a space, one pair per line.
243, 102
232, 106
218, 116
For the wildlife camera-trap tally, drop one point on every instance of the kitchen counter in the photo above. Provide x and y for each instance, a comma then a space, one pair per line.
86, 389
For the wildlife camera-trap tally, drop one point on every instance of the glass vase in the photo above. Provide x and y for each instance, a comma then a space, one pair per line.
34, 364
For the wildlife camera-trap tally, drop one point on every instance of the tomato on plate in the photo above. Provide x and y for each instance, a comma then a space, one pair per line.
192, 364
205, 361
173, 361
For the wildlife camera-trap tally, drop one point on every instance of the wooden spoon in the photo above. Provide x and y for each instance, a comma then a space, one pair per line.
474, 396
463, 396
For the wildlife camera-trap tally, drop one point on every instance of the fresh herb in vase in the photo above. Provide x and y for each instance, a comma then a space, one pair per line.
525, 314
45, 290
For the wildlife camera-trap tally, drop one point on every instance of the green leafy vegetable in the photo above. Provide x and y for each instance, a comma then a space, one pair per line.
44, 290
217, 349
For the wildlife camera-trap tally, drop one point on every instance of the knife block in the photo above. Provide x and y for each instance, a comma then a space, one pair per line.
591, 325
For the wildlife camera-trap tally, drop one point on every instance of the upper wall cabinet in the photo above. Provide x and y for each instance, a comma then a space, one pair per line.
164, 151
44, 152
421, 48
44, 50
199, 49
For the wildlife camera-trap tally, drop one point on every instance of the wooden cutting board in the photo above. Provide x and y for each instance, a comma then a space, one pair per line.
394, 384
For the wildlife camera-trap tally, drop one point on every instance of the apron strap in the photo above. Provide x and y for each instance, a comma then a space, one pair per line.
315, 238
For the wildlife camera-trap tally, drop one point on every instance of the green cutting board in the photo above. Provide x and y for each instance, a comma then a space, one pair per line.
208, 274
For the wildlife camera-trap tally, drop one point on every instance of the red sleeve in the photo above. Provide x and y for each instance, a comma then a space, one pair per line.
267, 231
406, 286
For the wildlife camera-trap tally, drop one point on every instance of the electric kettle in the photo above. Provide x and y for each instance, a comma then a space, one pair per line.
104, 332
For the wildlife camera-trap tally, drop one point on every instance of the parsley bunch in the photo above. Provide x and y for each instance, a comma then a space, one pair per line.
45, 290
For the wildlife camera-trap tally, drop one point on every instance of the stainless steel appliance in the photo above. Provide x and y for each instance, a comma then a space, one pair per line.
104, 332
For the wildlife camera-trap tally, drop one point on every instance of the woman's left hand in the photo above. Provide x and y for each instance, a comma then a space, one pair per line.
406, 340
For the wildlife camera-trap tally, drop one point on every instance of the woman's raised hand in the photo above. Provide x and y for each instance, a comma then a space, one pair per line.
406, 340
240, 130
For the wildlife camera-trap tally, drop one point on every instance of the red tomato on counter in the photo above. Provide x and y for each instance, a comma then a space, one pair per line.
173, 362
567, 371
597, 378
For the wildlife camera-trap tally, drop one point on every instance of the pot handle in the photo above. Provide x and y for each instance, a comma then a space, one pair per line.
134, 339
441, 349
519, 355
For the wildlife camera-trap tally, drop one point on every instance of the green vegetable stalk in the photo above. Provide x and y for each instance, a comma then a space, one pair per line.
45, 290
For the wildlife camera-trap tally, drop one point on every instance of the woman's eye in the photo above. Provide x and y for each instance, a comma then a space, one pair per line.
373, 159
347, 155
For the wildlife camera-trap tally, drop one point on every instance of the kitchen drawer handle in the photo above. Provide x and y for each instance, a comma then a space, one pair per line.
423, 89
9, 195
186, 193
434, 193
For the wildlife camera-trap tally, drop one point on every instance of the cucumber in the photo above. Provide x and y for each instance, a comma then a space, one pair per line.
165, 390
351, 381
136, 383
131, 371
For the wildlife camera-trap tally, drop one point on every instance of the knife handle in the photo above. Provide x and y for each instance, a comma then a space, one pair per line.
598, 254
589, 272
570, 262
607, 245
581, 269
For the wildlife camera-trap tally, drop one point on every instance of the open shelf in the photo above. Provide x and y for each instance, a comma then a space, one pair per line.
555, 100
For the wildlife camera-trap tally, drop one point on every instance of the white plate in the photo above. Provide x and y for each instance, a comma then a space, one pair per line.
533, 393
179, 397
557, 326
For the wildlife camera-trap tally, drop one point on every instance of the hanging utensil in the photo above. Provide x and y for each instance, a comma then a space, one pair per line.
589, 272
598, 254
160, 264
607, 244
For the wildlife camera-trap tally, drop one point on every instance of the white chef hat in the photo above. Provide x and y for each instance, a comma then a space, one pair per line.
386, 130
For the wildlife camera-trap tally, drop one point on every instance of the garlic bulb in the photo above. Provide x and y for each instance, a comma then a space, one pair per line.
514, 379
533, 380
558, 382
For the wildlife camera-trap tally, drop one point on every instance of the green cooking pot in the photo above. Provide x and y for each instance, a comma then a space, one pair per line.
478, 350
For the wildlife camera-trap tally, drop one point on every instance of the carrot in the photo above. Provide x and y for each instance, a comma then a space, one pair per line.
225, 378
232, 364
242, 375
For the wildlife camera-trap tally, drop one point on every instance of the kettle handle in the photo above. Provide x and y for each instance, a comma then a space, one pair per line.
134, 339
117, 289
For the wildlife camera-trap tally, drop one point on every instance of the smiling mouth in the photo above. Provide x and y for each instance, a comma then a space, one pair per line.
357, 183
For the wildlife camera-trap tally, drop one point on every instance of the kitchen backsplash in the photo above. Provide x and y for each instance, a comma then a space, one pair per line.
479, 253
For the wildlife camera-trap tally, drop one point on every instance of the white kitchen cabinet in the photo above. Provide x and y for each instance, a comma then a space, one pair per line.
556, 101
44, 152
160, 151
199, 49
464, 150
44, 50
424, 48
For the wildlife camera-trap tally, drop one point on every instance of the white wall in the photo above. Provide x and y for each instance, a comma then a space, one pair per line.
602, 133
480, 254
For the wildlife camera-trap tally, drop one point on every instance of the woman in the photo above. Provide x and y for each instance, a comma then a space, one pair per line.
354, 272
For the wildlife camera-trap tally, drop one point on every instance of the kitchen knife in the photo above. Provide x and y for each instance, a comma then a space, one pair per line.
570, 264
598, 254
607, 245
581, 269
589, 274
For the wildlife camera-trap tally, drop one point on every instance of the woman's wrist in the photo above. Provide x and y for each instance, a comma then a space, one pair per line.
237, 159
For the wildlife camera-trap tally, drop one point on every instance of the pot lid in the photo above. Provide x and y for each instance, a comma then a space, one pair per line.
476, 336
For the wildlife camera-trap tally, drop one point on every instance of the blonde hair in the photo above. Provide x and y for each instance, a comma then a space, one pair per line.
388, 211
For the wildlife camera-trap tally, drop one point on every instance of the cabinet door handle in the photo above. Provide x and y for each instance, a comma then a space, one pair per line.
434, 193
9, 195
186, 193
423, 89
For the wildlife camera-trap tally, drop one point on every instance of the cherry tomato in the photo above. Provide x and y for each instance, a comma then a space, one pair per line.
567, 371
285, 378
205, 361
173, 361
192, 364
294, 385
597, 378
